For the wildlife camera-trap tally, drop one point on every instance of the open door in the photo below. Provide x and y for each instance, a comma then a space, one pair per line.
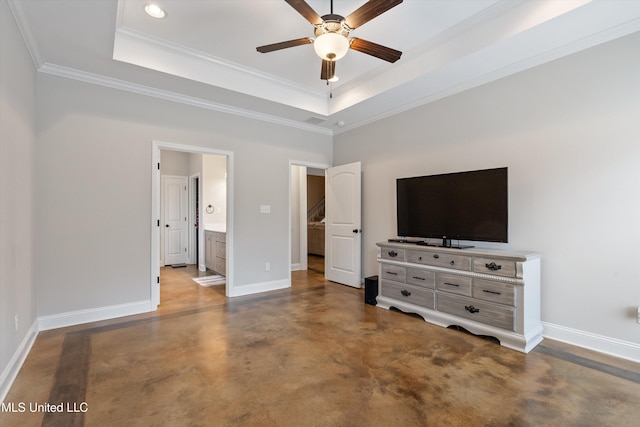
343, 238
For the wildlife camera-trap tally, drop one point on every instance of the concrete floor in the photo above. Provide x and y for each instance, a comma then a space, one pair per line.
312, 355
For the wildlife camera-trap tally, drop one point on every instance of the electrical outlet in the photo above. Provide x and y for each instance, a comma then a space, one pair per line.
17, 321
267, 266
265, 209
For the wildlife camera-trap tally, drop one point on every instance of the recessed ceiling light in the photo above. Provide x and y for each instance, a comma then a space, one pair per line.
155, 11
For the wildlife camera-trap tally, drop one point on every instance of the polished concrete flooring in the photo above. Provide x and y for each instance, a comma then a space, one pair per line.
312, 355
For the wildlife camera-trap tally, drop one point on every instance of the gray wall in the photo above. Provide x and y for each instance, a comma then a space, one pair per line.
17, 120
569, 132
94, 147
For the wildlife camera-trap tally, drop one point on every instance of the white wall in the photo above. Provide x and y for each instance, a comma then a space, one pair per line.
94, 147
569, 132
17, 205
214, 190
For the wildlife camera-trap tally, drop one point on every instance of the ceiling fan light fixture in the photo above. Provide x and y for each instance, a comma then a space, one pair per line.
331, 46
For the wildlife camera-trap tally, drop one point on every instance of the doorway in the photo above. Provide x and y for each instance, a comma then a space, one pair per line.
306, 185
196, 217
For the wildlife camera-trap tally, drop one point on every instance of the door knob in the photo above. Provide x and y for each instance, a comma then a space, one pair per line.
355, 230
166, 225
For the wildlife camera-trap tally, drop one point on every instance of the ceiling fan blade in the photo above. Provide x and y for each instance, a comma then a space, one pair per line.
373, 49
368, 11
306, 11
283, 45
328, 70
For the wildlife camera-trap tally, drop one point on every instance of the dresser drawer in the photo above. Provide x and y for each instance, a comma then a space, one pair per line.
453, 283
407, 293
457, 262
392, 253
393, 272
497, 267
489, 290
221, 237
484, 312
419, 277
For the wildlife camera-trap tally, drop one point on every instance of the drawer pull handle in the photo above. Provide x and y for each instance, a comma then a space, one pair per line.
471, 309
493, 266
418, 278
491, 292
393, 254
393, 273
452, 262
436, 256
405, 292
452, 284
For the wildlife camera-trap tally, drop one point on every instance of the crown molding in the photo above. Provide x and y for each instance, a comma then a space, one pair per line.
96, 79
17, 10
143, 50
451, 86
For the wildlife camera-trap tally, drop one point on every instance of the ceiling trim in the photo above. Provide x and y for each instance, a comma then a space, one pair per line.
96, 79
447, 74
28, 35
141, 49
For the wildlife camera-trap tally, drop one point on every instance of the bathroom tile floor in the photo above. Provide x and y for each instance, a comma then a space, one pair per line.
312, 355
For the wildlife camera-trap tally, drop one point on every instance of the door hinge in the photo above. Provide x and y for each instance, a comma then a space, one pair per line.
158, 165
158, 279
158, 223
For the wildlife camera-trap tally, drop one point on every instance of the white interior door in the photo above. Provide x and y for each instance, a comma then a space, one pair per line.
343, 236
175, 211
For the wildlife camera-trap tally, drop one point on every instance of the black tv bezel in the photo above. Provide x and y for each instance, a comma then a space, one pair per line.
446, 240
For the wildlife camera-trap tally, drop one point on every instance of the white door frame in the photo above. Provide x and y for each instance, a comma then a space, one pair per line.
156, 146
303, 219
192, 219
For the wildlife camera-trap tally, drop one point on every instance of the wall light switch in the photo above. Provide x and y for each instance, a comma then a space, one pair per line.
265, 209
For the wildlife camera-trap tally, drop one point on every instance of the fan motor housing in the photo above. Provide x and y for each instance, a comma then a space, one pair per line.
332, 23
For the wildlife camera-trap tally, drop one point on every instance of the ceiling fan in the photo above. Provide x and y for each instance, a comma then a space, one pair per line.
331, 32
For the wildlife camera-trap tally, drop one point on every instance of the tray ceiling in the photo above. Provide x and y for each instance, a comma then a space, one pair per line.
203, 52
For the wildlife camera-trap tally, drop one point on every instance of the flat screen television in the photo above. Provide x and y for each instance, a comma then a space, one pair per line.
454, 206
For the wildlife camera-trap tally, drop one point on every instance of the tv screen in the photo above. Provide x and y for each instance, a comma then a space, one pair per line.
460, 206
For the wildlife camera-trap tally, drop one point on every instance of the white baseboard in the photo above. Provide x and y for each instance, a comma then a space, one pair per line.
11, 371
260, 287
296, 267
607, 345
93, 315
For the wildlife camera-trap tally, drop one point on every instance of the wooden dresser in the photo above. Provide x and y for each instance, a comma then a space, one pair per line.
487, 292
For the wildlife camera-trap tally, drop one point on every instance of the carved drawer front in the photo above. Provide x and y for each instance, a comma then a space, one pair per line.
489, 290
392, 253
415, 276
498, 267
452, 283
490, 314
393, 272
457, 262
407, 293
